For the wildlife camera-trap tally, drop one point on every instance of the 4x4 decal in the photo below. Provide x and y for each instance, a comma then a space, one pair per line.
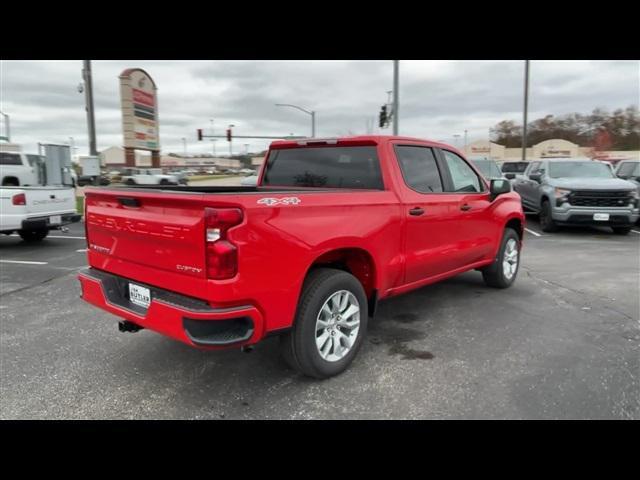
279, 201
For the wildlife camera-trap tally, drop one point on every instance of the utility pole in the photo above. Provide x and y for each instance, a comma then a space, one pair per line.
526, 107
396, 95
6, 126
213, 140
88, 96
465, 142
184, 143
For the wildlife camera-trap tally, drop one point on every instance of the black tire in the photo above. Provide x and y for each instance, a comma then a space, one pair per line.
621, 230
130, 181
164, 181
33, 235
546, 220
298, 346
493, 275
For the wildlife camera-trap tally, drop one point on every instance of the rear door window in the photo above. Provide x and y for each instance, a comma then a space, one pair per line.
330, 167
10, 159
419, 168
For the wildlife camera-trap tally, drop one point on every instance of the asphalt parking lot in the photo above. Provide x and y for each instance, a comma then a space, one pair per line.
562, 343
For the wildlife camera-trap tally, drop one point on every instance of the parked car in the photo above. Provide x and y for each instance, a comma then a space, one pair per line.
33, 211
333, 227
90, 180
578, 192
487, 167
250, 181
511, 169
148, 176
16, 170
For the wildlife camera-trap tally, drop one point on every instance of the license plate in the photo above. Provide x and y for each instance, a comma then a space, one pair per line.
603, 217
55, 219
139, 295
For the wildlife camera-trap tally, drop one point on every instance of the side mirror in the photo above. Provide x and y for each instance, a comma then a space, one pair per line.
510, 176
499, 186
536, 177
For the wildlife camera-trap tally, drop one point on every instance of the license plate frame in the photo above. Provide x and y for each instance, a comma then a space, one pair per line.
139, 295
55, 219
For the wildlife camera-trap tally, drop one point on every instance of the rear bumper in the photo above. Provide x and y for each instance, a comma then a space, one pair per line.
41, 223
183, 318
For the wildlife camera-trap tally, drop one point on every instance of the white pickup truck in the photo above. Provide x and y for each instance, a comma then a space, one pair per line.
148, 176
33, 211
15, 168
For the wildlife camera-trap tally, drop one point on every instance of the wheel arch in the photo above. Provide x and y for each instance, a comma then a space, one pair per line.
10, 180
356, 261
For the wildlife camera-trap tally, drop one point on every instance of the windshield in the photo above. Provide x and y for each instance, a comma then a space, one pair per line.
514, 167
488, 168
579, 170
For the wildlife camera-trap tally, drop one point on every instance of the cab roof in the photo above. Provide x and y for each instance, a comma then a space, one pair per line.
355, 140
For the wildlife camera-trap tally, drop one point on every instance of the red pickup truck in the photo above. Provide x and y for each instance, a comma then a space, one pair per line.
332, 227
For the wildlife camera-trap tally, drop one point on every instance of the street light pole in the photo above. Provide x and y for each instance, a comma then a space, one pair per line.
308, 112
526, 108
6, 126
184, 142
396, 95
456, 136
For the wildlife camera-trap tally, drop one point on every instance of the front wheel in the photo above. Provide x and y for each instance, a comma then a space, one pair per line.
33, 235
503, 271
330, 324
546, 219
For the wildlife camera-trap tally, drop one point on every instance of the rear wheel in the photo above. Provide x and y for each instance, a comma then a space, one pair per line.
621, 230
330, 324
33, 235
546, 220
130, 181
503, 271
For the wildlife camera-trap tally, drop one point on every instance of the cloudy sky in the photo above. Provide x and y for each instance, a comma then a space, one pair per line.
438, 99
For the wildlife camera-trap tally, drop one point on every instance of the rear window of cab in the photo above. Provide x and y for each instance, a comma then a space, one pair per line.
330, 167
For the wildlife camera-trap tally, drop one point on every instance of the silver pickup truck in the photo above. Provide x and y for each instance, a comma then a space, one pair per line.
577, 192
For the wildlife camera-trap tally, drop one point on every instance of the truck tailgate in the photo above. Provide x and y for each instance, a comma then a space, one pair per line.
148, 229
49, 200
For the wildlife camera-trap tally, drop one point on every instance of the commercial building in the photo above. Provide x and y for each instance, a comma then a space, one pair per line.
114, 157
554, 148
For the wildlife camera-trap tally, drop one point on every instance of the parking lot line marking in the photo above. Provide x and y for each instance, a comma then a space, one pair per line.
57, 236
533, 233
635, 231
82, 250
23, 262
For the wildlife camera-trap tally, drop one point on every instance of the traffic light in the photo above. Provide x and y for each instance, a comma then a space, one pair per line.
199, 134
383, 117
228, 134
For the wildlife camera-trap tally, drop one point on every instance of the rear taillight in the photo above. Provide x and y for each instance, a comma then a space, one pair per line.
222, 255
19, 199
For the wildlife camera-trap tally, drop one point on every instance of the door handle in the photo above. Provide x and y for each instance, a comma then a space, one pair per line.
465, 207
416, 211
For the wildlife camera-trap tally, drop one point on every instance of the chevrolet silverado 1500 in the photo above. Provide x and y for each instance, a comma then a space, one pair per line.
333, 226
